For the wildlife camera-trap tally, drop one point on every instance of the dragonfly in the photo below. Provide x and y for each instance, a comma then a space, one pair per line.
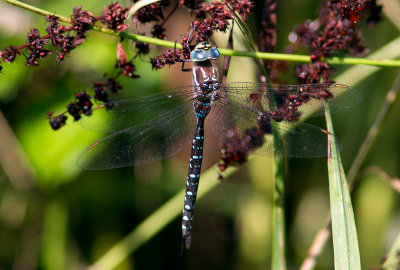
154, 127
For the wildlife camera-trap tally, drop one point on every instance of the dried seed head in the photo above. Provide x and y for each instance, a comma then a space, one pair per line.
114, 16
121, 55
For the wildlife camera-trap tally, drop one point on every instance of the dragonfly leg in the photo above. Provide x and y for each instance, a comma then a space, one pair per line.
183, 67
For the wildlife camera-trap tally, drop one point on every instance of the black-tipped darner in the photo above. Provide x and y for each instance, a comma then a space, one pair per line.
154, 127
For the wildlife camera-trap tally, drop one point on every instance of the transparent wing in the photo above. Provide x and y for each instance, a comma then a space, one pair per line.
297, 140
158, 138
118, 115
309, 98
235, 119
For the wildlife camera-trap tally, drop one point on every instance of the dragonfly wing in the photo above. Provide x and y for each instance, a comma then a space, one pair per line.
119, 115
343, 97
155, 139
229, 115
296, 140
235, 119
306, 99
235, 109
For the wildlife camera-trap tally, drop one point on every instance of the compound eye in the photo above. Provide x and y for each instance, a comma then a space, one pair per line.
214, 53
198, 55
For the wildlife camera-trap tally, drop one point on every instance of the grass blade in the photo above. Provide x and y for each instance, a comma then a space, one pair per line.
278, 234
344, 233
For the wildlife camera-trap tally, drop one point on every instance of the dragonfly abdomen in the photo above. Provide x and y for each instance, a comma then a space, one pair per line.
192, 183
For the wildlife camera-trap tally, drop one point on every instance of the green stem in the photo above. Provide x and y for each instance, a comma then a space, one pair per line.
259, 55
278, 243
36, 10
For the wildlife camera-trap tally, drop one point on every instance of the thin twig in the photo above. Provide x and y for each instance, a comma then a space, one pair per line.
373, 131
227, 59
317, 246
393, 181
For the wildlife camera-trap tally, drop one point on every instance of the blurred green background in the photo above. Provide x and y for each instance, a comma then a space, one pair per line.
56, 216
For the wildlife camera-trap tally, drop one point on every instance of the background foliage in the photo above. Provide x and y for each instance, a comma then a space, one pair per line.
55, 216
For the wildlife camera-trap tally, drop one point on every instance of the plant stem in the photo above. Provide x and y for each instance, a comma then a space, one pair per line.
279, 243
36, 10
258, 55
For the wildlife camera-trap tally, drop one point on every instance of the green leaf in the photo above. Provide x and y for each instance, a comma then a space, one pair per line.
345, 242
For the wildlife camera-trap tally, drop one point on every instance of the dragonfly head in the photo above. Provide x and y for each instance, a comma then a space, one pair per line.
204, 51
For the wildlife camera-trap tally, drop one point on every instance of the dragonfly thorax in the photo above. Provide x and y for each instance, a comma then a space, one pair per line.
201, 108
205, 79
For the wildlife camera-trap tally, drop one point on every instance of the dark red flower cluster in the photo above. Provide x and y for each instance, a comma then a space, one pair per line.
10, 53
288, 101
243, 7
56, 122
215, 16
100, 92
36, 48
335, 31
349, 9
192, 5
153, 13
82, 21
61, 38
83, 102
212, 17
166, 58
114, 16
150, 13
339, 34
217, 19
65, 38
128, 70
268, 40
237, 144
268, 27
234, 150
303, 34
158, 32
82, 105
102, 89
